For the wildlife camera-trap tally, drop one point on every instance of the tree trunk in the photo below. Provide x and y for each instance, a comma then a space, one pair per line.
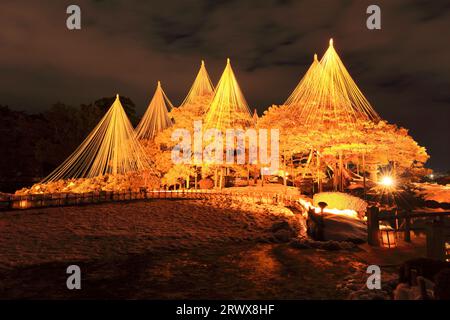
335, 177
221, 178
195, 179
319, 184
215, 177
341, 177
373, 172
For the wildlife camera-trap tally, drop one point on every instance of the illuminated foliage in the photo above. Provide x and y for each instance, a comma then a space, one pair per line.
202, 87
111, 148
327, 115
327, 94
156, 118
228, 108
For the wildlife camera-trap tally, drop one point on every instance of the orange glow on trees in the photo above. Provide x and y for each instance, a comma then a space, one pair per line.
328, 118
202, 87
111, 148
156, 118
228, 109
327, 93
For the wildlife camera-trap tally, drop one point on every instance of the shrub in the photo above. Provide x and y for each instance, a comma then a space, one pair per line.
206, 183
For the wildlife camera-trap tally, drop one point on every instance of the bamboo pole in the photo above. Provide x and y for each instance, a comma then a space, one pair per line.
341, 182
364, 174
221, 178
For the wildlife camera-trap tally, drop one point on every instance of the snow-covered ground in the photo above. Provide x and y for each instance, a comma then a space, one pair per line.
344, 228
168, 249
94, 232
434, 192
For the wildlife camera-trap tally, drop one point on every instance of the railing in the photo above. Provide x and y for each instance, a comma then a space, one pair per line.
436, 230
16, 202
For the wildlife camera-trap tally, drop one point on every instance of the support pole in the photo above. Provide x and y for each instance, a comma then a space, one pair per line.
195, 177
373, 226
221, 178
436, 240
407, 235
364, 173
215, 177
319, 184
341, 167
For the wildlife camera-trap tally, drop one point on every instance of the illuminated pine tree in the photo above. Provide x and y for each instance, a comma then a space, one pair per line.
228, 108
305, 83
328, 95
111, 148
156, 118
201, 88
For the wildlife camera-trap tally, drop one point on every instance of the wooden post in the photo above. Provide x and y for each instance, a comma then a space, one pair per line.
195, 178
215, 177
319, 184
407, 234
315, 225
221, 178
335, 176
373, 226
262, 179
436, 240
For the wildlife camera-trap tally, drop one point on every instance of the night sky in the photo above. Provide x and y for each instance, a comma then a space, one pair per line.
126, 46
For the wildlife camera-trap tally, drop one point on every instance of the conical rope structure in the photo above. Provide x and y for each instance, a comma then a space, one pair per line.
328, 94
201, 87
228, 109
306, 82
111, 148
156, 118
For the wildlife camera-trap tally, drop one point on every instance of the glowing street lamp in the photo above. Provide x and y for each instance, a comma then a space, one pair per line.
387, 237
387, 181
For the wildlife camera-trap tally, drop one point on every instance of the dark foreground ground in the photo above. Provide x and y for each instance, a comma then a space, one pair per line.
259, 271
173, 250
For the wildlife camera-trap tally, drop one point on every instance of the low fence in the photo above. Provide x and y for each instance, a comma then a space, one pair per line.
436, 229
15, 202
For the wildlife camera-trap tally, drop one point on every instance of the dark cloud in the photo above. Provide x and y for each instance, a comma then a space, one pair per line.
126, 46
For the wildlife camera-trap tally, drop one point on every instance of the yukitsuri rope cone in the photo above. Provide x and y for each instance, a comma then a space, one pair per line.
201, 87
156, 118
327, 94
228, 109
111, 148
